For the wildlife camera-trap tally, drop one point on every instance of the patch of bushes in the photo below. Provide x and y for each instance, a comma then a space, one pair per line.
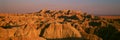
118, 20
95, 23
105, 32
89, 16
96, 18
74, 17
48, 11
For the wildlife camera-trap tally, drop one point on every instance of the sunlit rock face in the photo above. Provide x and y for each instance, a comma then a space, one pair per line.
58, 25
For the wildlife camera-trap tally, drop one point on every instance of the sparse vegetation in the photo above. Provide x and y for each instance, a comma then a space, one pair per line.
58, 25
106, 32
94, 23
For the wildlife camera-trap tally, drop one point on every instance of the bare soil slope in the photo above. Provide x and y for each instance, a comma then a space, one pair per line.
58, 25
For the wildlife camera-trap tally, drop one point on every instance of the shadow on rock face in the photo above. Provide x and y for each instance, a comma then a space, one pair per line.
8, 26
43, 30
71, 38
2, 16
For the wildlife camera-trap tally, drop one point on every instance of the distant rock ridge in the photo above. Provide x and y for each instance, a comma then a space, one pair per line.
58, 25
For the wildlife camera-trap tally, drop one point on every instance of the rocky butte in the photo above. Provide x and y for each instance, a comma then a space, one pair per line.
58, 25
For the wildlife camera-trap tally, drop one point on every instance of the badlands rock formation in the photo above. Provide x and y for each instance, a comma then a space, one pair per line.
58, 25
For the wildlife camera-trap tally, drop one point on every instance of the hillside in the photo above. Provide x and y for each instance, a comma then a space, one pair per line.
58, 25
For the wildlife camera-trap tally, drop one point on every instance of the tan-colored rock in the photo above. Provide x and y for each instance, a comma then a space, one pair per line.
58, 25
57, 30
